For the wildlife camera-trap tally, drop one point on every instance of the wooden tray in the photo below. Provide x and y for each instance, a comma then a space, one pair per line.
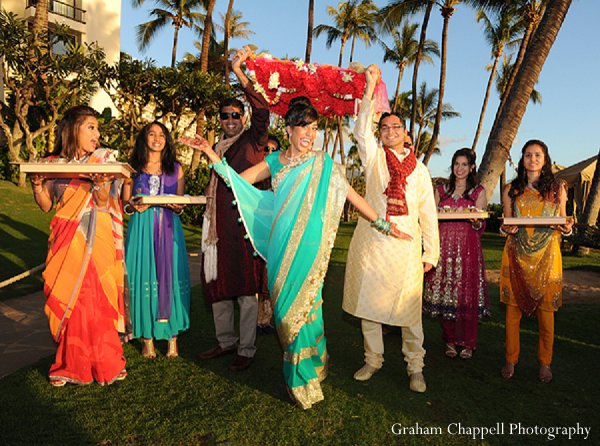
75, 170
462, 215
535, 221
170, 199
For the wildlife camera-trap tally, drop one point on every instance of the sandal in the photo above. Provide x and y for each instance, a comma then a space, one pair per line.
173, 352
121, 376
148, 348
451, 351
508, 370
57, 382
466, 353
545, 374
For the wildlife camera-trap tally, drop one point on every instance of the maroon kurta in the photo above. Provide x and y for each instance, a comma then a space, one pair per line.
239, 273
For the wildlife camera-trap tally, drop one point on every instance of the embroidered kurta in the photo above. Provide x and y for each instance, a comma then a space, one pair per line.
238, 272
457, 289
531, 274
157, 263
384, 275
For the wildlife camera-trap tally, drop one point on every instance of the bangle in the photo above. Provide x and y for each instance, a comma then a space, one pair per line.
129, 211
477, 225
36, 191
97, 186
567, 234
178, 212
382, 226
503, 233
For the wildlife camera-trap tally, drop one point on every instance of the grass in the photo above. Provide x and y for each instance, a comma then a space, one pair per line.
182, 401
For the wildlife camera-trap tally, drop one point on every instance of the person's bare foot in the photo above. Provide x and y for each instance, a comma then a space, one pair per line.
545, 374
508, 370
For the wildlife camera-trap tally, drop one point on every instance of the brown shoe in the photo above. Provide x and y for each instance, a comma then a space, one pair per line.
240, 363
215, 352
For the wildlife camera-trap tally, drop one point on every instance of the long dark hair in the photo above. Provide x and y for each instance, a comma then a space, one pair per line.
471, 178
301, 112
547, 185
139, 156
66, 143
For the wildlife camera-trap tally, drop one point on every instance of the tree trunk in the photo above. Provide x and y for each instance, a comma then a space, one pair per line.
515, 70
206, 36
352, 48
446, 13
226, 41
485, 99
174, 50
413, 112
592, 204
309, 34
397, 95
344, 38
503, 135
341, 139
40, 20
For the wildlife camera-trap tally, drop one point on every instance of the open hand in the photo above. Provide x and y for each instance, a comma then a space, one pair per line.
239, 57
395, 232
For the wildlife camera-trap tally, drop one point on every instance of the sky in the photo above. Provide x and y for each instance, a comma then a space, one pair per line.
568, 83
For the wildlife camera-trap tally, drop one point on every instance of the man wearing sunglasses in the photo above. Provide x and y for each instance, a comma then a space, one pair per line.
231, 271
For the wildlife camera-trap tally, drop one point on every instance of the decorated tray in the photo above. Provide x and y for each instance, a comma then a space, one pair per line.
462, 215
170, 199
58, 169
535, 221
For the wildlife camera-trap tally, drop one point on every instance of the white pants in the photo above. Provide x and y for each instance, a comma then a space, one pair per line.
412, 346
223, 315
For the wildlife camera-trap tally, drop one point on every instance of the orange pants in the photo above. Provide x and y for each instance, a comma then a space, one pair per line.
545, 338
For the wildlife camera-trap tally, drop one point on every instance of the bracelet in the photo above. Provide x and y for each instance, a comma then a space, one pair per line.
477, 225
503, 233
382, 226
567, 234
131, 210
178, 212
97, 186
37, 192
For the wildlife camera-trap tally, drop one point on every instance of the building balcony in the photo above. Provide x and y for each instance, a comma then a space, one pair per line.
70, 9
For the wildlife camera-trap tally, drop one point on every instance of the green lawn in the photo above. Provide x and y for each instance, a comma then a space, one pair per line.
182, 401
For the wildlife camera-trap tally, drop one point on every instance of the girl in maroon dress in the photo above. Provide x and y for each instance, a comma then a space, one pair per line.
456, 289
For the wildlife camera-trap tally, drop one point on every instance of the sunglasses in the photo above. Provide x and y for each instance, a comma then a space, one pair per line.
233, 115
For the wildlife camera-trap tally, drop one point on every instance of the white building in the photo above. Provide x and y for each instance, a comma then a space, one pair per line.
89, 21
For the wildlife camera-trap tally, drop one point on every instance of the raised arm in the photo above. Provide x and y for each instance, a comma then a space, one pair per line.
363, 128
254, 174
259, 121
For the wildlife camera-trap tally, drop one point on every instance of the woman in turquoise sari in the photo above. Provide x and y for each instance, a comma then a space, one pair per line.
293, 228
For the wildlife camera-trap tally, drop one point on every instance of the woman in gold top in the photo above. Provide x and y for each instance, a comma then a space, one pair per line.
531, 278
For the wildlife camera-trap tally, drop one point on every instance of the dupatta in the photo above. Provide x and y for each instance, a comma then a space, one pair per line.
76, 243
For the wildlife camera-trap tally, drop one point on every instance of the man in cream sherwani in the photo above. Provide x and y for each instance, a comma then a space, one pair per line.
384, 275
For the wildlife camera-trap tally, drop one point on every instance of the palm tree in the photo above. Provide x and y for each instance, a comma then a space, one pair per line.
393, 14
426, 113
505, 74
309, 33
530, 12
209, 5
178, 13
226, 32
404, 52
498, 34
503, 134
353, 19
233, 27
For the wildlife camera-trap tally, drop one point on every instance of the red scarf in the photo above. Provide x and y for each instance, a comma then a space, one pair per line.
396, 188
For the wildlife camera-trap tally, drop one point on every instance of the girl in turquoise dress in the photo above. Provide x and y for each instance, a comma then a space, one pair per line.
293, 228
155, 252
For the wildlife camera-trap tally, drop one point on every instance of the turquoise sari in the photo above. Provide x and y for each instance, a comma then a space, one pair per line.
293, 228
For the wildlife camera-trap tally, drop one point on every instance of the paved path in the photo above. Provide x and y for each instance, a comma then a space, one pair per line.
24, 334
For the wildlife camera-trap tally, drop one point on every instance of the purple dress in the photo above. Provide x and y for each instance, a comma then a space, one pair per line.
456, 290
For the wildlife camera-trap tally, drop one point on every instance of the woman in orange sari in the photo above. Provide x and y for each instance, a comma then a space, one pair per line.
531, 275
83, 279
